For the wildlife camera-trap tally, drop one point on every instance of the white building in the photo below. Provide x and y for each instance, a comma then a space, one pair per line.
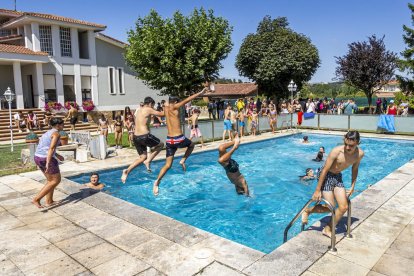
46, 57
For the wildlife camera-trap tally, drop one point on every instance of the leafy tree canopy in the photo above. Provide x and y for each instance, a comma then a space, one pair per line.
274, 55
367, 65
407, 63
178, 55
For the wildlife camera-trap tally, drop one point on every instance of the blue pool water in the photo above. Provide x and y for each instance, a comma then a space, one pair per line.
203, 196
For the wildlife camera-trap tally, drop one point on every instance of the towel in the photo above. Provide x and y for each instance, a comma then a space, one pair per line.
300, 117
310, 115
387, 122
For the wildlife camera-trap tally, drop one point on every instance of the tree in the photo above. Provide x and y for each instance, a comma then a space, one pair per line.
407, 64
274, 55
178, 55
367, 66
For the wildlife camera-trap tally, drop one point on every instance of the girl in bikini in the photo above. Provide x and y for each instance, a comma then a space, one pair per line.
272, 118
130, 126
103, 126
118, 127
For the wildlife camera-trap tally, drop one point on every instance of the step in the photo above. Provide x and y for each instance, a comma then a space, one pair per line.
17, 110
67, 128
39, 133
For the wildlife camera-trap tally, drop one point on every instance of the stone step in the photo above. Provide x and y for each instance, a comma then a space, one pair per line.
22, 135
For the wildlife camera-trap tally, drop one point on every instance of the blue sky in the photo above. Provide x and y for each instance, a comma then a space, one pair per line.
330, 24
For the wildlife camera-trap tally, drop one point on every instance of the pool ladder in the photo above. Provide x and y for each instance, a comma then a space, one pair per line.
332, 209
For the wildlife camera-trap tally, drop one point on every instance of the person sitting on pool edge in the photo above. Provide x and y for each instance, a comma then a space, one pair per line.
305, 139
231, 166
308, 176
319, 156
94, 182
330, 185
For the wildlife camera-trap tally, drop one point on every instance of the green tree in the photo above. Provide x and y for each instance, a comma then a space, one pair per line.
178, 55
274, 55
406, 64
367, 66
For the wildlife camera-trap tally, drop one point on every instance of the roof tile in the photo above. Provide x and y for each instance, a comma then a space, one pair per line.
14, 49
233, 89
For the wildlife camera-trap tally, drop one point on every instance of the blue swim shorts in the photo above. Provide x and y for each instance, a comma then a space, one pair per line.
227, 125
242, 124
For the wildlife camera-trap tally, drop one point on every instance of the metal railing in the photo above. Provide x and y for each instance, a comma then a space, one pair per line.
332, 210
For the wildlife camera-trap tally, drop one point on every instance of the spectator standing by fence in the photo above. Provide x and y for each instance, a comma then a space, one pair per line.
384, 105
378, 108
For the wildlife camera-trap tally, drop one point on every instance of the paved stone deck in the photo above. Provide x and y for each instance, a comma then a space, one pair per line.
97, 234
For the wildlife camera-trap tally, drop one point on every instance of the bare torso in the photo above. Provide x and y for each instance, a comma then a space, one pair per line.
344, 160
173, 120
194, 119
142, 118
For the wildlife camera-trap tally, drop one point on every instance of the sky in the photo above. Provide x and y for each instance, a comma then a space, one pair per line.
330, 24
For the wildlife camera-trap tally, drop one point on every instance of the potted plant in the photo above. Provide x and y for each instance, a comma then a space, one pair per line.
88, 105
64, 137
69, 103
51, 105
32, 138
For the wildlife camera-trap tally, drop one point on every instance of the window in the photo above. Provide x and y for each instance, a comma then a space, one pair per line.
65, 42
111, 80
45, 37
5, 32
83, 44
121, 85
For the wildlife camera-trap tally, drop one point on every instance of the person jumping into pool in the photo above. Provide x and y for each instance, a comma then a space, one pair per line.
330, 185
231, 166
143, 138
175, 136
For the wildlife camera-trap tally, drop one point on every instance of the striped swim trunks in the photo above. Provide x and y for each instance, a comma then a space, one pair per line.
332, 181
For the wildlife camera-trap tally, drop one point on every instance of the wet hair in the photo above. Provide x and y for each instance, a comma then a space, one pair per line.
94, 173
322, 148
305, 138
174, 99
197, 111
308, 170
56, 121
149, 100
353, 136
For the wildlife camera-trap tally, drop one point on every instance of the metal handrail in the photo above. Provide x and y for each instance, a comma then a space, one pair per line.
333, 233
331, 208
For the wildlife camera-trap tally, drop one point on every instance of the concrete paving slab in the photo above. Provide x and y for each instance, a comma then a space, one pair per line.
62, 233
128, 241
373, 273
150, 272
15, 202
37, 216
393, 265
149, 249
407, 234
333, 265
62, 266
113, 229
216, 269
79, 243
27, 260
21, 238
402, 249
122, 265
48, 224
7, 267
97, 255
9, 221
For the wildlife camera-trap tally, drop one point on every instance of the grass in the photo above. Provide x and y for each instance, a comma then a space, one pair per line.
125, 142
11, 162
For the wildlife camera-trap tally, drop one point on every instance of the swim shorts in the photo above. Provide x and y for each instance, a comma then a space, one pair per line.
53, 166
176, 142
227, 125
141, 142
241, 124
254, 124
73, 120
232, 166
195, 132
332, 181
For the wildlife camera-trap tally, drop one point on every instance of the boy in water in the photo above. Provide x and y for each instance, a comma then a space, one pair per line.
195, 130
330, 185
94, 182
319, 156
231, 166
305, 140
308, 176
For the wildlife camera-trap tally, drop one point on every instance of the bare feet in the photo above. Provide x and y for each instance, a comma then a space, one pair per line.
124, 176
305, 216
37, 203
53, 203
327, 231
182, 163
236, 140
147, 165
155, 188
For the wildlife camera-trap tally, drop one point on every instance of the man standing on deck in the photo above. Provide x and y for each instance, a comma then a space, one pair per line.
330, 185
143, 138
175, 136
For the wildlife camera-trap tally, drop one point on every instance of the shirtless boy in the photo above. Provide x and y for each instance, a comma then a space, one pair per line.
94, 182
72, 116
231, 166
175, 137
227, 123
143, 138
241, 116
254, 117
195, 130
330, 185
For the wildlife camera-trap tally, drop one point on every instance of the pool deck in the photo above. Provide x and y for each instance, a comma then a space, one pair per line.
98, 234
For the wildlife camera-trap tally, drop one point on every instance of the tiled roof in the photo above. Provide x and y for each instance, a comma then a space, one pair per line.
53, 17
14, 49
111, 38
10, 12
385, 94
233, 90
2, 38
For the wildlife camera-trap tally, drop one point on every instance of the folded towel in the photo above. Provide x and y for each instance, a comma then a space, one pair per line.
386, 122
310, 115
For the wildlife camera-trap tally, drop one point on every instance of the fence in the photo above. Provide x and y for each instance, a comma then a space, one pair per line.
213, 129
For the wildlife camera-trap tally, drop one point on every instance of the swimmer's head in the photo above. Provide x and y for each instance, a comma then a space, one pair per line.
309, 172
322, 149
305, 138
94, 178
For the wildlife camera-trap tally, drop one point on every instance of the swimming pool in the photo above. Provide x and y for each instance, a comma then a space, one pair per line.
203, 196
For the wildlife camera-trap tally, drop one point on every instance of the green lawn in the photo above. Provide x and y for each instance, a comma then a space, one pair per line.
11, 163
111, 140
